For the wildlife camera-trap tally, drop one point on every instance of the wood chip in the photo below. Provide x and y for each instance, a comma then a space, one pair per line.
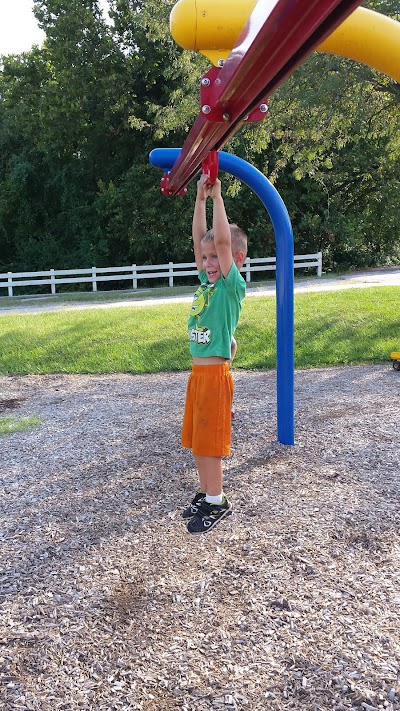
292, 603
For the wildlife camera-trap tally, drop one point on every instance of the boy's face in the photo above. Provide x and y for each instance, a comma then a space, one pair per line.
210, 261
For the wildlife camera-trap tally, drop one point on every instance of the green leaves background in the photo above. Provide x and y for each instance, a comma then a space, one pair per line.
79, 116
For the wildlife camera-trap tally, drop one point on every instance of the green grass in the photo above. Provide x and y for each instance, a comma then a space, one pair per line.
9, 425
331, 328
96, 297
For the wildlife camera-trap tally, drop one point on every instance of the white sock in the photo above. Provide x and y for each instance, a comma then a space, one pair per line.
215, 500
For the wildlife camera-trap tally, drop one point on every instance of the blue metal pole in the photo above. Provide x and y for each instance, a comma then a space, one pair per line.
165, 158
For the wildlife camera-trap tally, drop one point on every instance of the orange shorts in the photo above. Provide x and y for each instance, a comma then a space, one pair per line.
206, 428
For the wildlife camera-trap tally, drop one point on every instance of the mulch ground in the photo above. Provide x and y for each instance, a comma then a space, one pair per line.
291, 603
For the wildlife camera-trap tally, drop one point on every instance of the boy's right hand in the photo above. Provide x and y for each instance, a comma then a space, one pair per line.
202, 187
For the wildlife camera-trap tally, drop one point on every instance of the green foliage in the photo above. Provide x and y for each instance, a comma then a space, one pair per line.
333, 153
79, 116
140, 225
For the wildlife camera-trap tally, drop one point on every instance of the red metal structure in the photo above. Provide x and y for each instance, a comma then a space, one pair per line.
278, 37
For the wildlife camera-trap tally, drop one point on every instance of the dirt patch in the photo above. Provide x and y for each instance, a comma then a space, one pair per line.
292, 603
10, 404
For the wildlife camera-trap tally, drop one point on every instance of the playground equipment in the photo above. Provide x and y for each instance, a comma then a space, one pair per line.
251, 63
276, 39
395, 356
213, 29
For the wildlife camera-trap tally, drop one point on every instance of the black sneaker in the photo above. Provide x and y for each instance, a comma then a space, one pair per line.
194, 505
208, 515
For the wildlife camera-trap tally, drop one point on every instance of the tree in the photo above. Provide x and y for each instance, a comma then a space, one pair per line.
79, 116
331, 146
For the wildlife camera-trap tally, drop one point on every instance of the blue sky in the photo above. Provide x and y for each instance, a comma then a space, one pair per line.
18, 27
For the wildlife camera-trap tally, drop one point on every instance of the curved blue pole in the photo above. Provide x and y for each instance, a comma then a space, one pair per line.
165, 158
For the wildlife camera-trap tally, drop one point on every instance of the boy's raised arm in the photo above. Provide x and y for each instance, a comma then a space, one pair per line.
199, 224
221, 229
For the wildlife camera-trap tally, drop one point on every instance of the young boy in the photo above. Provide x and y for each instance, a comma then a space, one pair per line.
217, 304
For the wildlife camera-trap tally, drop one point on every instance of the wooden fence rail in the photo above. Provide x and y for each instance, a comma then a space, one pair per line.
133, 273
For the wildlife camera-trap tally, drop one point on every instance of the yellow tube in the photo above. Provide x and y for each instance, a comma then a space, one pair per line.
213, 26
369, 38
209, 26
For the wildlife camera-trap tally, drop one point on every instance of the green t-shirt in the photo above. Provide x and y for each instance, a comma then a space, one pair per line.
215, 314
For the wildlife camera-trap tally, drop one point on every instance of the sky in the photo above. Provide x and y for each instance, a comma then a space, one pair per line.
18, 26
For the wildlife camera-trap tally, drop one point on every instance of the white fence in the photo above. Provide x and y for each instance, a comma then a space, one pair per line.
133, 273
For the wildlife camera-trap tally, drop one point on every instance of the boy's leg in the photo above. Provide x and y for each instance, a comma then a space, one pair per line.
210, 474
211, 430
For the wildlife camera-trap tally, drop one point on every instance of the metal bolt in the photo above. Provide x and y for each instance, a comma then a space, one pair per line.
263, 108
206, 109
221, 62
205, 81
226, 116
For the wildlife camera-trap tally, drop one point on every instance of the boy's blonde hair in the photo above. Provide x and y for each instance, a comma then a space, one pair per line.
238, 237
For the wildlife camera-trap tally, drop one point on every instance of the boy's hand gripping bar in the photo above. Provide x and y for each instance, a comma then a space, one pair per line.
209, 167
